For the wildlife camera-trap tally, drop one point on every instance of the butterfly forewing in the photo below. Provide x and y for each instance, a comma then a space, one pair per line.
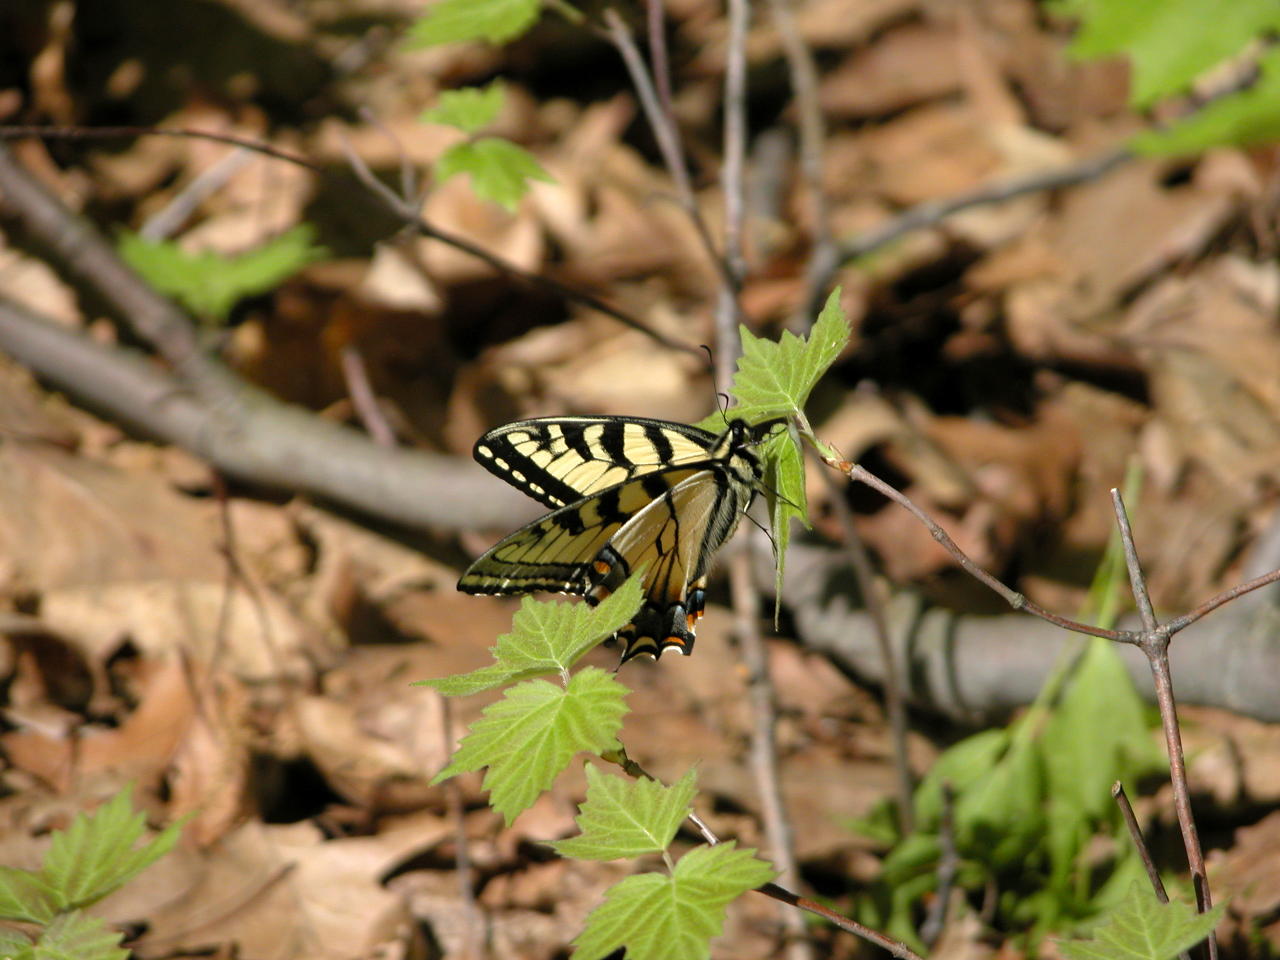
559, 461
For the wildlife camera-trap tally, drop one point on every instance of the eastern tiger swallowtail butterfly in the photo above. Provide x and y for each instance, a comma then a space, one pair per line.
626, 492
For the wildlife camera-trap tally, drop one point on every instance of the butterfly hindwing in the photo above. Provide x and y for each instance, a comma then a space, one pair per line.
558, 551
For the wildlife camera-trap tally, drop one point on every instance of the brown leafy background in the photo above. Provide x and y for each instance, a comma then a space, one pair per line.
245, 656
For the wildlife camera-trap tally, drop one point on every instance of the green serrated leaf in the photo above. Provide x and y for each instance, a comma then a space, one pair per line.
96, 854
468, 110
774, 378
1142, 928
25, 897
547, 637
457, 21
1170, 43
209, 284
784, 476
529, 736
15, 945
1241, 119
1098, 734
672, 918
78, 936
500, 171
627, 818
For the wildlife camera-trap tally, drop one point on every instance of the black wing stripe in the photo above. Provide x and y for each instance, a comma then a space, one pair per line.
661, 445
613, 440
558, 461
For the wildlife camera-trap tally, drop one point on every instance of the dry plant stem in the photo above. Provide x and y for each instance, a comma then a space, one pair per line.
475, 940
660, 67
664, 131
782, 894
804, 86
733, 188
948, 866
405, 213
1181, 623
894, 691
1155, 644
1015, 599
764, 753
363, 398
1135, 834
169, 220
932, 212
23, 132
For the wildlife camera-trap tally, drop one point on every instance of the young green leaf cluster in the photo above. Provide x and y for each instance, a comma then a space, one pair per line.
93, 857
210, 284
529, 736
1026, 802
457, 21
656, 916
500, 171
1170, 47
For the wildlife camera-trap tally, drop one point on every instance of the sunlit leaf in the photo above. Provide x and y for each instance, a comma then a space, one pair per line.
627, 818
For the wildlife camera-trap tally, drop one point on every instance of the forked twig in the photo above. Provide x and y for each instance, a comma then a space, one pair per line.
1155, 645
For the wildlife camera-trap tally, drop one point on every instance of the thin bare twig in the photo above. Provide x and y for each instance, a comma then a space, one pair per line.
948, 866
823, 258
666, 134
363, 398
1015, 599
894, 690
932, 212
1178, 624
23, 131
89, 261
1135, 834
167, 222
1155, 644
408, 215
733, 188
764, 753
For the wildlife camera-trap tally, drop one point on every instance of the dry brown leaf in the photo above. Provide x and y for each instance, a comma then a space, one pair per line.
454, 206
931, 152
275, 893
208, 777
68, 522
139, 750
1250, 870
909, 66
374, 772
252, 634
